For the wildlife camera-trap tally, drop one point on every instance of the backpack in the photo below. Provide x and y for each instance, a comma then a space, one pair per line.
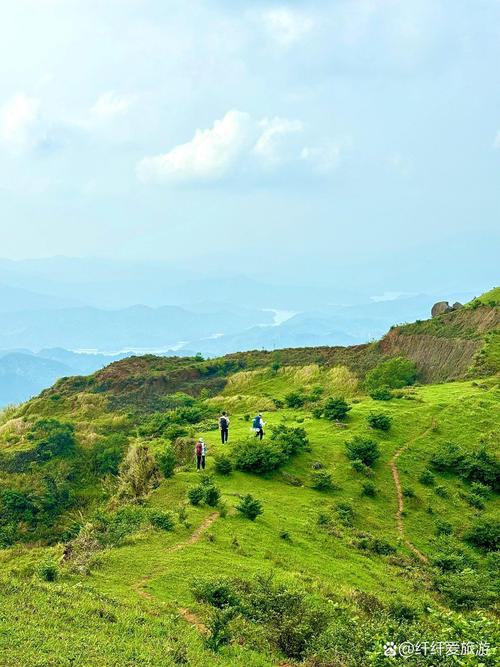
256, 423
199, 448
223, 422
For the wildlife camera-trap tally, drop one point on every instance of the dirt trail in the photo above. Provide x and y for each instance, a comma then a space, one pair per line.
192, 539
399, 493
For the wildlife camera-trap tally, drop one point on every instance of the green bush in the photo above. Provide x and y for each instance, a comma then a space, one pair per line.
409, 492
441, 490
291, 440
392, 374
250, 507
317, 412
336, 409
258, 457
161, 519
223, 465
443, 527
48, 571
219, 592
167, 461
196, 495
466, 589
479, 465
381, 394
427, 478
362, 449
379, 421
345, 512
369, 489
321, 480
295, 399
485, 534
108, 454
211, 495
450, 556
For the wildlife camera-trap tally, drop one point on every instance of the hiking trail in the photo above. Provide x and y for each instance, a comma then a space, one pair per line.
192, 539
399, 493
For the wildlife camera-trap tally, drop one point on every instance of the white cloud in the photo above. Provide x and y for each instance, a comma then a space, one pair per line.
110, 105
208, 156
286, 26
272, 143
19, 122
238, 141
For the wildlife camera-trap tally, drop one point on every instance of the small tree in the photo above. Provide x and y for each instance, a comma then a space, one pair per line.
223, 465
138, 473
295, 399
321, 480
362, 449
250, 507
336, 409
167, 461
380, 421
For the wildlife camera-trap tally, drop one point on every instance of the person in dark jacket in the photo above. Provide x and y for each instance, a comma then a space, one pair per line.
201, 451
224, 427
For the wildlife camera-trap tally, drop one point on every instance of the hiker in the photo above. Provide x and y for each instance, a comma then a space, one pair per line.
258, 426
201, 451
224, 427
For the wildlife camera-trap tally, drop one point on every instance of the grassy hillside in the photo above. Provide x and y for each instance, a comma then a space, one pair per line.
351, 550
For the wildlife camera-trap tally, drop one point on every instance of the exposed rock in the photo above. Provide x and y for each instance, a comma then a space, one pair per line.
457, 305
439, 308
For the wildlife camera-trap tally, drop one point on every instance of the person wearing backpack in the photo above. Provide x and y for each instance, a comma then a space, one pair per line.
258, 426
201, 451
224, 427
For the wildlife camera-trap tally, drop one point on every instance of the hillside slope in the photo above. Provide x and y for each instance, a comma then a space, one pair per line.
379, 523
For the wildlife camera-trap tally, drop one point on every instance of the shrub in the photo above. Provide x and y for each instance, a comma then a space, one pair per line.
443, 527
295, 399
250, 507
162, 520
393, 374
167, 461
409, 492
427, 478
450, 556
375, 545
48, 571
174, 431
52, 438
195, 495
285, 535
381, 394
447, 457
218, 629
107, 455
336, 409
380, 421
359, 466
481, 490
211, 495
466, 589
184, 450
345, 512
363, 449
223, 465
369, 489
259, 457
485, 534
321, 480
278, 404
218, 592
317, 412
138, 473
291, 440
441, 491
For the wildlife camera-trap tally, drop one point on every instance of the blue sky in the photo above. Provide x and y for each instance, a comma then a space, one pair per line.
302, 134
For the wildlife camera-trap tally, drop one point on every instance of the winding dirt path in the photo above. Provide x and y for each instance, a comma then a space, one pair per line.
192, 539
399, 493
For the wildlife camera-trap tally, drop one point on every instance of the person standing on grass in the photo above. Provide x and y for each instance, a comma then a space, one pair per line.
201, 451
258, 426
224, 427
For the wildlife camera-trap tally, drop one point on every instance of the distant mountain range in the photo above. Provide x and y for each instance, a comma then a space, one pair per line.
64, 316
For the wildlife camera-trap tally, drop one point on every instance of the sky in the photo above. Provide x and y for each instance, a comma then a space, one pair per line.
269, 137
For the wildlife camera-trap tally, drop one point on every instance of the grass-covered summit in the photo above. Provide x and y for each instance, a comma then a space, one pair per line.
369, 512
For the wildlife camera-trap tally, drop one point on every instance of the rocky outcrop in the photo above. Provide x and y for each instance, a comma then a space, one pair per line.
442, 307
